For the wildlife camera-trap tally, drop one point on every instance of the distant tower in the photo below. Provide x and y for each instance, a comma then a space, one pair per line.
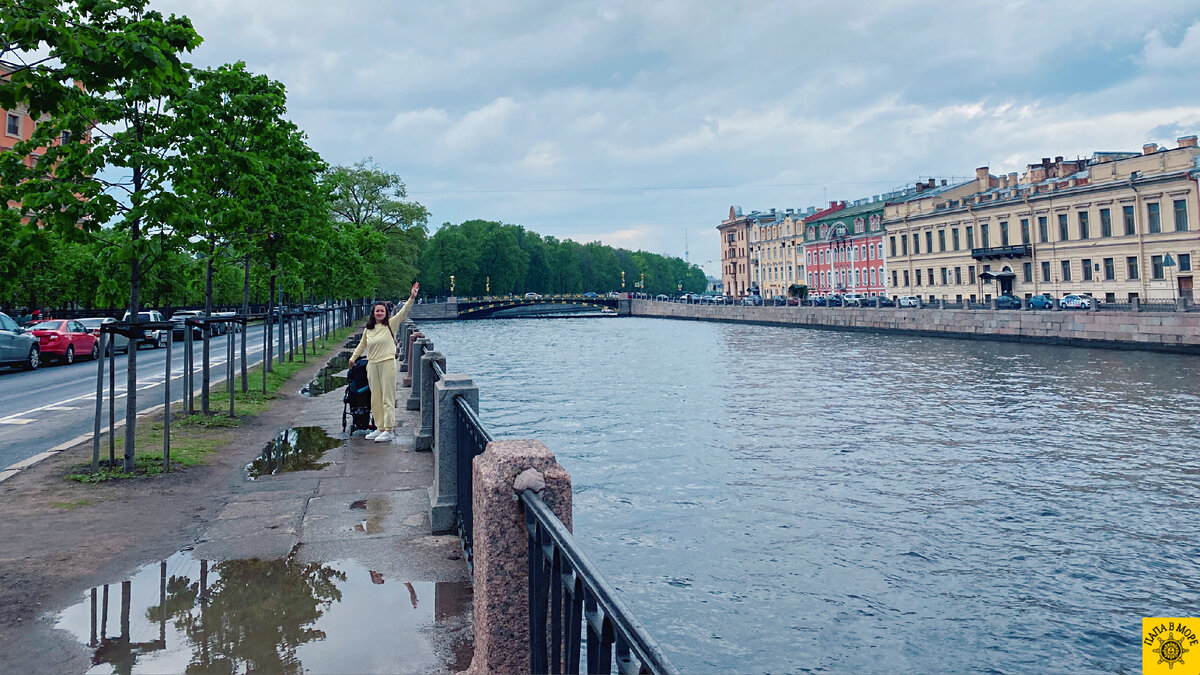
685, 246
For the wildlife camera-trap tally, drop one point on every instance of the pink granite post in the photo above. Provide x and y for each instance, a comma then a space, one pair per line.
412, 337
502, 549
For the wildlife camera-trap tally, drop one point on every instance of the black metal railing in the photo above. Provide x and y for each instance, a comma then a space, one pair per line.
991, 252
566, 588
472, 441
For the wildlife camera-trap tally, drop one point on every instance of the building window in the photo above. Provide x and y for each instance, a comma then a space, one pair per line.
1131, 263
970, 237
1066, 270
942, 238
1024, 230
958, 275
971, 274
1110, 270
892, 243
872, 276
1084, 226
894, 282
916, 244
987, 268
880, 273
1185, 262
1181, 224
1105, 223
918, 277
954, 237
1156, 267
1152, 219
1004, 233
983, 236
1086, 264
13, 126
945, 276
1027, 271
903, 245
929, 241
1043, 229
1064, 231
1045, 271
1130, 226
930, 276
905, 277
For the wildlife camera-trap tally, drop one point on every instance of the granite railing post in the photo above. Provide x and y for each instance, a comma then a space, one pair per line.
408, 357
443, 493
424, 436
1183, 304
1024, 303
501, 581
941, 303
406, 329
414, 392
994, 303
1137, 304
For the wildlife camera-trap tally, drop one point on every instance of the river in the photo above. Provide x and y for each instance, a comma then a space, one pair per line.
777, 499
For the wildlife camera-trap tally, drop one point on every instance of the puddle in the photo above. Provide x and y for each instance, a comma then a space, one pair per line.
377, 509
277, 616
326, 379
294, 449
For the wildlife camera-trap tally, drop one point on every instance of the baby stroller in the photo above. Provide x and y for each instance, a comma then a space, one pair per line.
357, 400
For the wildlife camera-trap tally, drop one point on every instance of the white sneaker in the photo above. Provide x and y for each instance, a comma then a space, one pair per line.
384, 437
373, 435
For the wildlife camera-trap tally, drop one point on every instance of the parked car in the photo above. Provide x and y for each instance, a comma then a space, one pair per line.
64, 340
155, 337
591, 294
793, 302
614, 294
1008, 302
854, 299
834, 300
18, 347
778, 300
752, 300
115, 340
1041, 301
816, 301
1076, 301
662, 297
237, 327
178, 323
910, 301
532, 296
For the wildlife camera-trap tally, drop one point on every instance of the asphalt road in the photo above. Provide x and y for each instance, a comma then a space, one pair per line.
56, 403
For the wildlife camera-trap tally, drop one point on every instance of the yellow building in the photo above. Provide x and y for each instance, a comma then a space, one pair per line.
777, 253
1117, 226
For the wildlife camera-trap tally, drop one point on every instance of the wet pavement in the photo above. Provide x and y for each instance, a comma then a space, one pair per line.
331, 378
322, 561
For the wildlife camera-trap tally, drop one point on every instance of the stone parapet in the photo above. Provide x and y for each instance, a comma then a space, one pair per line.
1157, 331
502, 550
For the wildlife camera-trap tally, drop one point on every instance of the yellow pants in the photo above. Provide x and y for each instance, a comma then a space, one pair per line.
382, 378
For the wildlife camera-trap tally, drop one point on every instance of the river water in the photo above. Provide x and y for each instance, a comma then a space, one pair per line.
777, 499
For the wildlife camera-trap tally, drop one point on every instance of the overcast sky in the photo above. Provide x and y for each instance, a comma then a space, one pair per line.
633, 123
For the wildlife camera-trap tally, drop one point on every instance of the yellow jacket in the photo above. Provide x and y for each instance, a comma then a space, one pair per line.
379, 342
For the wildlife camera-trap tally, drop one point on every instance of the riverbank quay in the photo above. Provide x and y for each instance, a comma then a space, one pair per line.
1175, 332
331, 567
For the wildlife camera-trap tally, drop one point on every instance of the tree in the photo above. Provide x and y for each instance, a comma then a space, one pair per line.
100, 92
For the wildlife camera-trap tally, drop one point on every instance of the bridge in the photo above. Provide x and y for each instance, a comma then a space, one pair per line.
543, 305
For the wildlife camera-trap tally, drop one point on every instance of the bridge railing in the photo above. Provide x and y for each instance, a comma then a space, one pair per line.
568, 597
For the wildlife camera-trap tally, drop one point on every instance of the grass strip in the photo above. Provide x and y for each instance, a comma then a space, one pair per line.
195, 437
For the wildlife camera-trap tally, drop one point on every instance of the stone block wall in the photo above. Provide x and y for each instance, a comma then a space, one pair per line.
1156, 331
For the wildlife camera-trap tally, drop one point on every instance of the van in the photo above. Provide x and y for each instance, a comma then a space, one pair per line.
156, 337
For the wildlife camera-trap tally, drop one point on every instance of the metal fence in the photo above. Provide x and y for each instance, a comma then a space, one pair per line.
472, 441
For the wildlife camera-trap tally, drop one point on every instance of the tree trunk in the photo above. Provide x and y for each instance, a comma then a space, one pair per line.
131, 363
270, 324
245, 311
205, 377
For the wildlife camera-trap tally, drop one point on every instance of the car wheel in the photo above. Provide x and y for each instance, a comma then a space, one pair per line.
34, 359
69, 357
95, 351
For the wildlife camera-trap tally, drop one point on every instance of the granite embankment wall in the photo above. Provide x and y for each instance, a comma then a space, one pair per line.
1153, 331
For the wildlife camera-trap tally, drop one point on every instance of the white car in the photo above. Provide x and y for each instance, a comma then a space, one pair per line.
853, 299
155, 338
1074, 301
910, 301
116, 340
532, 296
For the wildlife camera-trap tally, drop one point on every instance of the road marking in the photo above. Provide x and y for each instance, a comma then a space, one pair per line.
63, 407
15, 421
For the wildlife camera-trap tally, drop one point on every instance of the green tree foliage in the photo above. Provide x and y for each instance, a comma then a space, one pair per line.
363, 195
518, 261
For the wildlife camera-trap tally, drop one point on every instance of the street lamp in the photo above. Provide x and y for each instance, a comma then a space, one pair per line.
622, 279
451, 284
487, 287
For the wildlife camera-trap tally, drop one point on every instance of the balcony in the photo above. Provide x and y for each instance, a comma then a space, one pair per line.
995, 252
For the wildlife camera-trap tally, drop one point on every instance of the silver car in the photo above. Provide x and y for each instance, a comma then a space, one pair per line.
117, 340
17, 347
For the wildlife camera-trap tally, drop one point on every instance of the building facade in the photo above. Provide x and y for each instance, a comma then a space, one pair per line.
735, 255
1117, 226
776, 253
843, 249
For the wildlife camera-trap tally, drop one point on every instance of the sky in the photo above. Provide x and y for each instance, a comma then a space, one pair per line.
638, 124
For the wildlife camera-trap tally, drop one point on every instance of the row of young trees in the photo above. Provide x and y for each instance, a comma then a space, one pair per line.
489, 257
143, 170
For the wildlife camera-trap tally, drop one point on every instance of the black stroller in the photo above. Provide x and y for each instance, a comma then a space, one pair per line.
357, 400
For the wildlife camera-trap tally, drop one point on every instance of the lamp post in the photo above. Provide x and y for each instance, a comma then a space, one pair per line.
451, 284
1168, 261
622, 279
487, 286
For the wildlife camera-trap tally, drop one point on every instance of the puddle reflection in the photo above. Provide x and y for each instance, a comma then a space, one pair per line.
279, 616
327, 380
294, 449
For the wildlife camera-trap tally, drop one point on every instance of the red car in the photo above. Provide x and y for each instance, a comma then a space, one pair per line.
65, 340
